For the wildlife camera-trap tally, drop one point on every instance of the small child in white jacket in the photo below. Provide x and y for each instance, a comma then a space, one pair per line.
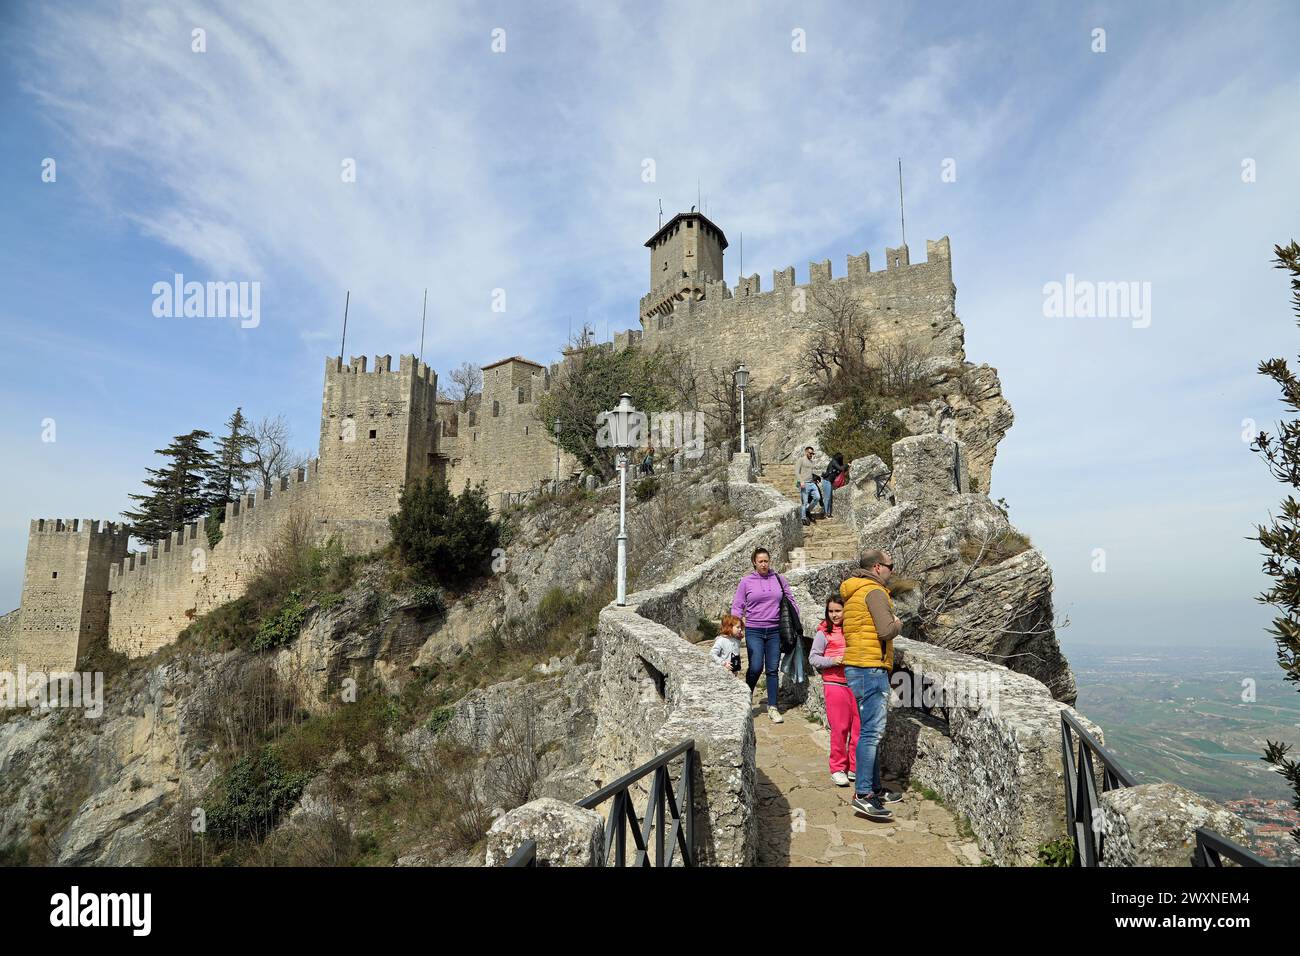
726, 649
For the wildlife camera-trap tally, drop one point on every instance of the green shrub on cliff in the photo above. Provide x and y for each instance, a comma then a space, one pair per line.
864, 424
448, 538
251, 796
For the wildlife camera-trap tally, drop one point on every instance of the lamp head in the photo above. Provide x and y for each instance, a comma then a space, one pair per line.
621, 420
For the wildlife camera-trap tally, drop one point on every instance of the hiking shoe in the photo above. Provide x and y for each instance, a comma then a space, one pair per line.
839, 778
775, 715
889, 796
851, 775
871, 807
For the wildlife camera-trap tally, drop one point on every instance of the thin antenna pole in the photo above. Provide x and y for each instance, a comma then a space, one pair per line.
344, 343
740, 253
661, 213
901, 221
697, 194
423, 311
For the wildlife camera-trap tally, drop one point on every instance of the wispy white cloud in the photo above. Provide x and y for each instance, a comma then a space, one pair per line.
523, 171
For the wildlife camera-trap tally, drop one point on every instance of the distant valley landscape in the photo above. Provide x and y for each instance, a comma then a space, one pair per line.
1182, 714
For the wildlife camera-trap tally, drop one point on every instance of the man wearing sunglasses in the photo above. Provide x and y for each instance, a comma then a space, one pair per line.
870, 626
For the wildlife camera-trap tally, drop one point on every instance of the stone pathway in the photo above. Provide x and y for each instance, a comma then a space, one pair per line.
805, 820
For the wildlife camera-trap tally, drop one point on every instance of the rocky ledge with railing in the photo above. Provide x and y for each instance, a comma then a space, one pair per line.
985, 738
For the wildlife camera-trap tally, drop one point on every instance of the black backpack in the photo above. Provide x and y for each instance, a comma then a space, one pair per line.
790, 626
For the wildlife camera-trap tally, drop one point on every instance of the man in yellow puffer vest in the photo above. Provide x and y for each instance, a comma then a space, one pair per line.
870, 627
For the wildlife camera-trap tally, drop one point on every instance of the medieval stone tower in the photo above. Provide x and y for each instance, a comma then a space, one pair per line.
378, 431
65, 600
685, 254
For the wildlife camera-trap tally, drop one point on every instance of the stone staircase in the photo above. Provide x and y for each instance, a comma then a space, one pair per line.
827, 539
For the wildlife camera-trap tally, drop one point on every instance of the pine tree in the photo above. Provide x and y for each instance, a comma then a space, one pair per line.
1281, 536
227, 478
177, 495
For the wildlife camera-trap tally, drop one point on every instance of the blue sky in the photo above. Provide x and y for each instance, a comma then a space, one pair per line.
522, 171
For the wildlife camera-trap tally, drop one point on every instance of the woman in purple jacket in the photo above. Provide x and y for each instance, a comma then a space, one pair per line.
758, 603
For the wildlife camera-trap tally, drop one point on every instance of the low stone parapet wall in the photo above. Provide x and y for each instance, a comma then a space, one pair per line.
995, 759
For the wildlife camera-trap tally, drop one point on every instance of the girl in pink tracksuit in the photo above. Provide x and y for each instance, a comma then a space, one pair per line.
841, 709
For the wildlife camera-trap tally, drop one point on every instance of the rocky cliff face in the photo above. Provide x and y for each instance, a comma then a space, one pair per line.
970, 409
81, 791
983, 589
967, 578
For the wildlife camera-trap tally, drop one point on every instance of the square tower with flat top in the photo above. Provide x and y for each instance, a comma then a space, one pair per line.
65, 596
378, 431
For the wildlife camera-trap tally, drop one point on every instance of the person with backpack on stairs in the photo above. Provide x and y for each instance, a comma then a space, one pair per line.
835, 476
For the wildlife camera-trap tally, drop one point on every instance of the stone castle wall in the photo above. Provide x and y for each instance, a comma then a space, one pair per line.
9, 639
503, 445
156, 594
379, 429
765, 330
501, 442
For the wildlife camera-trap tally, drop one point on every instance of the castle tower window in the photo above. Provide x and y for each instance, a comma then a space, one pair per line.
496, 408
54, 574
373, 434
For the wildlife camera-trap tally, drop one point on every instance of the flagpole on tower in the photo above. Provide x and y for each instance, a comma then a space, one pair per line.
423, 311
344, 343
901, 221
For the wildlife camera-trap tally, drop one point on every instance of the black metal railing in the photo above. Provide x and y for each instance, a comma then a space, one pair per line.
882, 484
670, 823
1211, 848
1078, 750
1081, 790
547, 487
526, 855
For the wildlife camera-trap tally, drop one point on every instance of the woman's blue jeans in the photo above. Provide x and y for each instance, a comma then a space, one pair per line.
764, 647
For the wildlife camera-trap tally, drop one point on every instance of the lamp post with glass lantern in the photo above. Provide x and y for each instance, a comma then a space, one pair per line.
620, 422
742, 379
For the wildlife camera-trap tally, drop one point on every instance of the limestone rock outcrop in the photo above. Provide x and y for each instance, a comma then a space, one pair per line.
565, 835
970, 409
1154, 824
980, 587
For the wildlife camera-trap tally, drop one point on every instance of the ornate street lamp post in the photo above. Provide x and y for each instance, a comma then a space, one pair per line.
742, 379
622, 437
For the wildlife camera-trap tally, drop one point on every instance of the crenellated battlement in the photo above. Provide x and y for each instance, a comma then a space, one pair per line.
86, 526
408, 365
660, 301
250, 518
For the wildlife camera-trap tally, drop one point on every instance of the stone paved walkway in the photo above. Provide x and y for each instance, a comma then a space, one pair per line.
805, 820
